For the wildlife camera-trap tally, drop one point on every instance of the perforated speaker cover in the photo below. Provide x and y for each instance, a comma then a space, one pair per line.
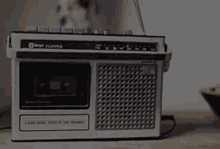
126, 96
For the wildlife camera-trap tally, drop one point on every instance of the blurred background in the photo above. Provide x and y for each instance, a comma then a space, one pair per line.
192, 30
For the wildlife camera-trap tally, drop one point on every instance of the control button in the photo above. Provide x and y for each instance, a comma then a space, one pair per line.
66, 30
55, 29
105, 32
43, 29
129, 32
78, 30
31, 28
96, 31
85, 30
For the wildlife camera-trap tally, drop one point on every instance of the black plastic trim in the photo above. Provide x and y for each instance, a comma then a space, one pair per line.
91, 56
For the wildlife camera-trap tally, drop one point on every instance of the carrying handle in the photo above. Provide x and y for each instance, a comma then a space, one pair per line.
138, 11
8, 42
166, 63
9, 49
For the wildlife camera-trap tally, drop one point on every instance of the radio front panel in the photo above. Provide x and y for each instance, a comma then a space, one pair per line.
70, 85
124, 101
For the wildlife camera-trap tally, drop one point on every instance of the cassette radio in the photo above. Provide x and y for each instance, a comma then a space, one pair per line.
71, 85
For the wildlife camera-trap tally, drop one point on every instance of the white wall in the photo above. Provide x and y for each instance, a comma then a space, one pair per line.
9, 21
192, 33
192, 30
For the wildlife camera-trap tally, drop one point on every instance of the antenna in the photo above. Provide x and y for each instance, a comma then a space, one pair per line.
136, 3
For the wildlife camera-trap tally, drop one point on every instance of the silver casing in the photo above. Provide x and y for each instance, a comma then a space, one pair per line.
87, 129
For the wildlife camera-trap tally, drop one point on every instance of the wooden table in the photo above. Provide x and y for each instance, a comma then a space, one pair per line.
194, 130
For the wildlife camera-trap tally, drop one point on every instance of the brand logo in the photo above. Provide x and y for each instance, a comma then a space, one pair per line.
32, 45
53, 46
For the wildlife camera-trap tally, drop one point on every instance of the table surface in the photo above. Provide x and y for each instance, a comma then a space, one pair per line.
194, 130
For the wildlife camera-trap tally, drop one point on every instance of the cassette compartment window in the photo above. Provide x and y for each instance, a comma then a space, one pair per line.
53, 85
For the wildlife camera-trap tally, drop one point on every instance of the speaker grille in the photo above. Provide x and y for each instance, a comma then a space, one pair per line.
126, 97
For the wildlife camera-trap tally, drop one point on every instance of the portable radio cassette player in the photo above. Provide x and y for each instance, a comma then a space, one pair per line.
70, 85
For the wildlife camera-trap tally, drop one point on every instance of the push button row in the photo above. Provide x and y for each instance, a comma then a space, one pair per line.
59, 30
55, 30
